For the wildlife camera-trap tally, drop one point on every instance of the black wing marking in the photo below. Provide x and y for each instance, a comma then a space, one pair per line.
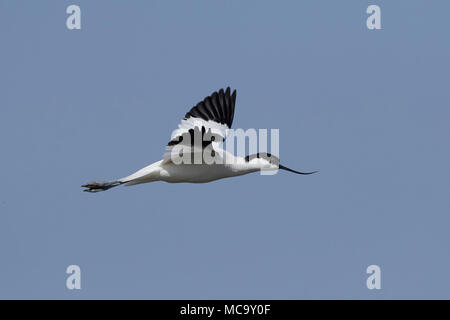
196, 137
205, 123
218, 107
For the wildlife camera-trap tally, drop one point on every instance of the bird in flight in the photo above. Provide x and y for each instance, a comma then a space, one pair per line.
201, 132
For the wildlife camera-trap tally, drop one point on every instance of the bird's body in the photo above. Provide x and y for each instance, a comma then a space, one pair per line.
210, 119
194, 173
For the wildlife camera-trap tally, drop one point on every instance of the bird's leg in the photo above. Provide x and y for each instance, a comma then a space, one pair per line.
97, 186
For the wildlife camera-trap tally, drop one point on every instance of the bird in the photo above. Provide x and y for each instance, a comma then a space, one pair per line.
210, 119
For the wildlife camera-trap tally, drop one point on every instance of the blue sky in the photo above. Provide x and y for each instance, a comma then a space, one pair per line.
369, 109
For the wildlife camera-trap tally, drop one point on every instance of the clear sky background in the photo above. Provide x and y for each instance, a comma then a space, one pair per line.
369, 109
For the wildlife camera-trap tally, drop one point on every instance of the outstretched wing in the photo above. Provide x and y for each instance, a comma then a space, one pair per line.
205, 123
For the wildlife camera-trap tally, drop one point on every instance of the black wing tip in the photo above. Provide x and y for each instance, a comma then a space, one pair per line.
229, 93
226, 91
218, 106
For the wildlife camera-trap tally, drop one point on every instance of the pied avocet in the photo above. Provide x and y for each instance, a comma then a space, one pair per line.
213, 116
